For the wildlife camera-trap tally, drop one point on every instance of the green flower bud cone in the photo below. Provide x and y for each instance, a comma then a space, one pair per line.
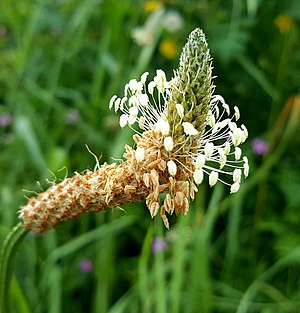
192, 86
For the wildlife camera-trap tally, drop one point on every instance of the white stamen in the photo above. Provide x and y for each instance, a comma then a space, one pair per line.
198, 176
180, 110
123, 120
217, 98
151, 87
160, 80
140, 154
132, 119
245, 133
246, 166
223, 158
168, 143
211, 120
227, 148
237, 173
162, 126
189, 129
208, 149
111, 102
133, 101
124, 99
246, 169
237, 153
234, 187
236, 136
213, 178
236, 113
226, 107
142, 121
200, 161
232, 125
220, 125
172, 168
133, 112
135, 86
144, 77
117, 104
143, 99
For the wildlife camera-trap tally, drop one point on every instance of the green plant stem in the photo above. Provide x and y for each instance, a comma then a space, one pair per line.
10, 246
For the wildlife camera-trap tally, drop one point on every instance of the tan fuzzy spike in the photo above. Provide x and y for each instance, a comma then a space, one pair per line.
110, 186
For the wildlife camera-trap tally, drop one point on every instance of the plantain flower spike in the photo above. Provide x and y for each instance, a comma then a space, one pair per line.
183, 133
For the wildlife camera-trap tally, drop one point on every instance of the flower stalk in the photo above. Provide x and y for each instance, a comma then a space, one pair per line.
183, 132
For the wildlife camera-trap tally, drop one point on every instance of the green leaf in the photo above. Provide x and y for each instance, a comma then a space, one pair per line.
10, 246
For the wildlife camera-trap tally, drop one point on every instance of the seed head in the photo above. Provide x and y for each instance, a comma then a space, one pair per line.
184, 132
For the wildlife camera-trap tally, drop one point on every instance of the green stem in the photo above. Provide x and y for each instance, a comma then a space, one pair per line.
10, 246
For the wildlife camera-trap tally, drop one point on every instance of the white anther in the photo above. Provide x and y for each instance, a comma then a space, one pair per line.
200, 161
236, 113
140, 154
234, 187
237, 153
180, 110
112, 101
143, 99
151, 86
144, 77
162, 126
213, 178
227, 148
189, 129
168, 143
123, 120
237, 173
208, 149
198, 176
172, 168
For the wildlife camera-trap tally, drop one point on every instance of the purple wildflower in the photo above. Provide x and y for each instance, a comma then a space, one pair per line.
72, 117
5, 120
159, 244
259, 146
86, 266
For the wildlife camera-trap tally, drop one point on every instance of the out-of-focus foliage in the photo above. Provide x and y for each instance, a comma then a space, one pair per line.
60, 62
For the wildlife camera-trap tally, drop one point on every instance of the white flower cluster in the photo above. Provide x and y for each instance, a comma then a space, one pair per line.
144, 104
218, 150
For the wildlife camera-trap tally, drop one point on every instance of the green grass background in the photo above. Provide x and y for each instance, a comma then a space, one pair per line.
237, 253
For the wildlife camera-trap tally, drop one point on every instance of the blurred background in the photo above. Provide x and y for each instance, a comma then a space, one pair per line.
60, 63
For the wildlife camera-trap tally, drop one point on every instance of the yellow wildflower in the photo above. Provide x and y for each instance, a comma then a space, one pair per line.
168, 48
150, 6
284, 23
